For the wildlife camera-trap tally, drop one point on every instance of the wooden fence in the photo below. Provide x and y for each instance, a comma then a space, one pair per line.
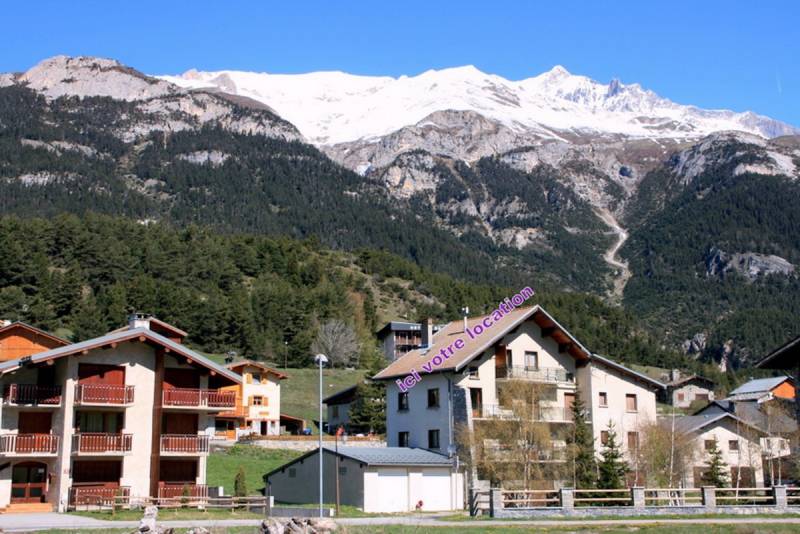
634, 501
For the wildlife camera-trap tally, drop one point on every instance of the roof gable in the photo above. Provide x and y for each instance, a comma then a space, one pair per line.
760, 385
19, 325
250, 363
474, 347
110, 340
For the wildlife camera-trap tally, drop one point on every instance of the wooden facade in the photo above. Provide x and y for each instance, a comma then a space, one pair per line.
18, 340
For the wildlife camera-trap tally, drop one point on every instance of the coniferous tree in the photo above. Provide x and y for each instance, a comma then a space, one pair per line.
715, 474
368, 412
240, 483
87, 321
612, 467
580, 447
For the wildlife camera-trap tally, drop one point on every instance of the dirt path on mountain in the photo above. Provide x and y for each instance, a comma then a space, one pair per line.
623, 273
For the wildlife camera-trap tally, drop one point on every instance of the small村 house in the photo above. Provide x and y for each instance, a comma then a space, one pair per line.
258, 402
126, 415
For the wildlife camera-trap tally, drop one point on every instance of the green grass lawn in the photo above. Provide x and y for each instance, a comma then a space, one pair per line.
257, 461
300, 392
172, 514
622, 529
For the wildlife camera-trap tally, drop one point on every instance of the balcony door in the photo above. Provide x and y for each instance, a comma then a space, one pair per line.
36, 426
476, 397
28, 482
181, 378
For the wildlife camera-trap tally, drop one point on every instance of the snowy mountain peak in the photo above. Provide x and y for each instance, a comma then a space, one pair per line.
333, 107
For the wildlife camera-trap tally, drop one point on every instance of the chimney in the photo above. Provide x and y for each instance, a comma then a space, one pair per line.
139, 320
674, 375
427, 332
465, 311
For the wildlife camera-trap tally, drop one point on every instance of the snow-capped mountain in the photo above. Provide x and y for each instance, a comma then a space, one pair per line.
334, 107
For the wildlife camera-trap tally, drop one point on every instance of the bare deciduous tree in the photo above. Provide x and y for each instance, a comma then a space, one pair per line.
665, 454
337, 340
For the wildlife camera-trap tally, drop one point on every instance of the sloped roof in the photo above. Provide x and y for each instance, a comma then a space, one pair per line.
753, 413
784, 357
25, 326
142, 334
686, 379
378, 456
759, 385
474, 347
235, 365
692, 423
342, 396
630, 372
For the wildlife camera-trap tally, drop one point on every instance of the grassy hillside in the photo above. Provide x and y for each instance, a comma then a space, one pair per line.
223, 466
300, 392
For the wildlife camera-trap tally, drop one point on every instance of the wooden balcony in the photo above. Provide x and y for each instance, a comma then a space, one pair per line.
29, 445
176, 494
184, 444
194, 399
549, 375
103, 395
32, 395
98, 495
101, 443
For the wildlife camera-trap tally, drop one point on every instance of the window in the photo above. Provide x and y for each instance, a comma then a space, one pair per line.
701, 397
402, 439
256, 378
630, 402
604, 437
472, 372
433, 398
531, 360
633, 441
433, 439
402, 401
709, 444
603, 399
292, 472
258, 400
733, 445
681, 397
335, 411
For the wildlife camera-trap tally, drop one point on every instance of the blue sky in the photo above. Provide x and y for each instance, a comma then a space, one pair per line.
733, 54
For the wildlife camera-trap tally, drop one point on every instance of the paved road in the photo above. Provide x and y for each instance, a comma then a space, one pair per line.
27, 522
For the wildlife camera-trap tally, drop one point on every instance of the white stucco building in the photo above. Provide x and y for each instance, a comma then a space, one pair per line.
125, 415
375, 479
258, 402
523, 344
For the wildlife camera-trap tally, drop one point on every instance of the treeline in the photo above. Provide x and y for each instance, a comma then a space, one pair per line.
261, 296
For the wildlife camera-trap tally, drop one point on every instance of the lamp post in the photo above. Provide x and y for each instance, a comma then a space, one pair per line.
320, 359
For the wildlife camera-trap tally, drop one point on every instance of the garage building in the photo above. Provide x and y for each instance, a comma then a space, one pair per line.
375, 479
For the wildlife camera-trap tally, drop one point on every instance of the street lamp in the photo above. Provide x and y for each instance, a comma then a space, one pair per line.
320, 359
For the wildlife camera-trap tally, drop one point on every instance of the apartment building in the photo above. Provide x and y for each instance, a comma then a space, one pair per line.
399, 337
524, 345
258, 402
128, 414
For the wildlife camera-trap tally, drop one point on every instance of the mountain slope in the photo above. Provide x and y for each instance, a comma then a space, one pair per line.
715, 247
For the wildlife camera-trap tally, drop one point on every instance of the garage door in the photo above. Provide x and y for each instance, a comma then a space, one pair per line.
392, 490
435, 489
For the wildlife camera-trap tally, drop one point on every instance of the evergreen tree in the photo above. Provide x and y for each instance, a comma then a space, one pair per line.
368, 412
612, 467
87, 320
716, 473
580, 449
240, 483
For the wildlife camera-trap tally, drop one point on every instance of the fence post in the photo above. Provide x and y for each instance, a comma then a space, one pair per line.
567, 498
709, 497
779, 497
495, 502
637, 497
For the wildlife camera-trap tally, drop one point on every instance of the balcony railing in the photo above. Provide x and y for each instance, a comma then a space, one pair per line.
32, 394
23, 444
98, 495
177, 494
101, 442
547, 414
184, 443
199, 398
103, 394
537, 374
